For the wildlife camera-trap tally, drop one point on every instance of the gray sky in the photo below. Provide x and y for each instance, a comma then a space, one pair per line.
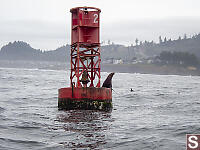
45, 24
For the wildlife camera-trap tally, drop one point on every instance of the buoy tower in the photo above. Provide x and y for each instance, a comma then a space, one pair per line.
85, 91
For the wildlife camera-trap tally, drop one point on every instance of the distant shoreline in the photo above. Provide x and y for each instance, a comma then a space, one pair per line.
150, 69
120, 68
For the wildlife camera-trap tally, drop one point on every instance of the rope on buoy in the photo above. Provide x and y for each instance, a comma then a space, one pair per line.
114, 91
118, 93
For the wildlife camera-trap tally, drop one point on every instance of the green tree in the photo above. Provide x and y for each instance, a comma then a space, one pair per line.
160, 39
136, 41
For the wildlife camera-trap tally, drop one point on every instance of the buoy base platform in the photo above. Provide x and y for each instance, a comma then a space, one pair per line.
90, 98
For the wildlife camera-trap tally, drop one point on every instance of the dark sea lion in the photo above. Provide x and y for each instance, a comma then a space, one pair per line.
108, 82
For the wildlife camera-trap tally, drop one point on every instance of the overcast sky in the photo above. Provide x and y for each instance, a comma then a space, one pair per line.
45, 24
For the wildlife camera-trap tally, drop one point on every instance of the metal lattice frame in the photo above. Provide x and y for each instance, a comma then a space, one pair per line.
85, 57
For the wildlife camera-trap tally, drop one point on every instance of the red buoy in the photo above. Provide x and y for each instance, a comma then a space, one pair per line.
85, 91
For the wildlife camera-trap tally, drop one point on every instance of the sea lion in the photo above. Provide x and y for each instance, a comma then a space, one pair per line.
108, 82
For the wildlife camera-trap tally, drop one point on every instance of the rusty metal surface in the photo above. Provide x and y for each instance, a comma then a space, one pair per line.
69, 104
85, 98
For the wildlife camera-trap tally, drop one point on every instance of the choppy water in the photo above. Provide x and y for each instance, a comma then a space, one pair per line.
157, 115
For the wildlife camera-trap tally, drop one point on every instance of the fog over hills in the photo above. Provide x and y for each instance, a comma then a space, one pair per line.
20, 50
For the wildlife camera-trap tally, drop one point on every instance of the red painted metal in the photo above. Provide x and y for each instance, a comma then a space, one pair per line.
85, 64
85, 45
89, 93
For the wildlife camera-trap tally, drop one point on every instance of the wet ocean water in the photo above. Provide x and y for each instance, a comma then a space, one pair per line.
156, 115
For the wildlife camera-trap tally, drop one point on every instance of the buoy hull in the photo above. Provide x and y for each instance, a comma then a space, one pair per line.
90, 98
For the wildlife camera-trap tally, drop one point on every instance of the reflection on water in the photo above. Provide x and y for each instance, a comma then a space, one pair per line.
88, 126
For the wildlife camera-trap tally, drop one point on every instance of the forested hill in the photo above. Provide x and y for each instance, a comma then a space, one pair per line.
190, 45
23, 51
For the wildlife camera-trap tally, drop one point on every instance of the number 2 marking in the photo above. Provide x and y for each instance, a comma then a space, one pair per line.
95, 18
